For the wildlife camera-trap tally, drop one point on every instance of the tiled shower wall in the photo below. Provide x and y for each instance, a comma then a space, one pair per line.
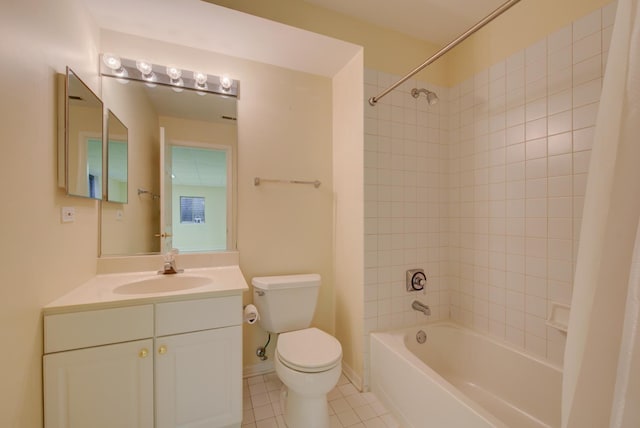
484, 190
406, 198
520, 143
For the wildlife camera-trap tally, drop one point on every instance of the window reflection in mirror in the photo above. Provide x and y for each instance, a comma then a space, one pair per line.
191, 121
82, 140
199, 197
117, 160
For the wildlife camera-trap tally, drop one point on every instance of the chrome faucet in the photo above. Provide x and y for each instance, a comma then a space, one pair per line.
419, 306
169, 266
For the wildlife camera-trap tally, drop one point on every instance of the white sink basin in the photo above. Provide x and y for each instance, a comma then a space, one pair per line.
163, 284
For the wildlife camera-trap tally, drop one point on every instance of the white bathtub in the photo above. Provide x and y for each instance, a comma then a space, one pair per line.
462, 379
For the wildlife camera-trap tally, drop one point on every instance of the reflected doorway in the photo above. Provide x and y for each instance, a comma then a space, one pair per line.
199, 195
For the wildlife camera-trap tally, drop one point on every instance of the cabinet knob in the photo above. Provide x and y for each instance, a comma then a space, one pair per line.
143, 353
162, 350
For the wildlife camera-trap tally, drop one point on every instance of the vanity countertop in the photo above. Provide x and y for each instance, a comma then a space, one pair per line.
102, 290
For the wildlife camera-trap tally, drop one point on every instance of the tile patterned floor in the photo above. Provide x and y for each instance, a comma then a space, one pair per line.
347, 406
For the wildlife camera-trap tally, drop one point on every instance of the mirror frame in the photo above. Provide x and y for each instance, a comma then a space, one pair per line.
63, 132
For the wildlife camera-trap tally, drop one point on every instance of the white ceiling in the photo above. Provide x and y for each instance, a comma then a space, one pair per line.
435, 21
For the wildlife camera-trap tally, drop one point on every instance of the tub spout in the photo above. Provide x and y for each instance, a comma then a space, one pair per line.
419, 306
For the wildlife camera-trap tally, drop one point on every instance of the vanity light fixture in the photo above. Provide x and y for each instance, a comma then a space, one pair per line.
178, 79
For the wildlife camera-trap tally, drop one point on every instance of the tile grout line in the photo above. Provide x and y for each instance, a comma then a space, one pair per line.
347, 406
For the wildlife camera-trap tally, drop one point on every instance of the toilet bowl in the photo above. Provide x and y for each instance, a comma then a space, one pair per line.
308, 362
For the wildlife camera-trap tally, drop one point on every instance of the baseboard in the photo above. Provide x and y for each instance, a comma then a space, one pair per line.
353, 377
258, 369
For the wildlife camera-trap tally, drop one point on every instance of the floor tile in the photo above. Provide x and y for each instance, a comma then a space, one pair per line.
365, 412
263, 412
348, 418
348, 408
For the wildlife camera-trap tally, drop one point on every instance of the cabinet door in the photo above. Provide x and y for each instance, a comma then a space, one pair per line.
102, 387
199, 379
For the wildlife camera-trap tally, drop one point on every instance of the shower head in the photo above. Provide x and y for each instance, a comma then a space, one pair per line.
432, 98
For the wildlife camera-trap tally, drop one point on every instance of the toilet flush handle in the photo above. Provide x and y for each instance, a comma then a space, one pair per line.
259, 293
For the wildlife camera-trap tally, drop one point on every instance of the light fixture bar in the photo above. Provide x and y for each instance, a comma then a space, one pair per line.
212, 84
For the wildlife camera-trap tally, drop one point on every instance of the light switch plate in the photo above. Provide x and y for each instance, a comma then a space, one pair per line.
68, 214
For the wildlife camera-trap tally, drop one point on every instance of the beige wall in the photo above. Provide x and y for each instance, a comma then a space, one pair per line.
197, 131
41, 258
348, 251
134, 233
284, 131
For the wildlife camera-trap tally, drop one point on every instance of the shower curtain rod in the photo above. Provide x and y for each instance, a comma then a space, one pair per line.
493, 15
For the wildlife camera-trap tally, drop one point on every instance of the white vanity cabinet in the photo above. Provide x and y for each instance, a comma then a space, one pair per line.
113, 367
199, 374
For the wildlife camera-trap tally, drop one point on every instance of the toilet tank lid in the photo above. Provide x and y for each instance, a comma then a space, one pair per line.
286, 281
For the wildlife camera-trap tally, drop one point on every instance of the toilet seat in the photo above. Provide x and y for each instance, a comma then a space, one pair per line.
310, 350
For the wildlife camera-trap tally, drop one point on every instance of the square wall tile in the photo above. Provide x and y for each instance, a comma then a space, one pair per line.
587, 25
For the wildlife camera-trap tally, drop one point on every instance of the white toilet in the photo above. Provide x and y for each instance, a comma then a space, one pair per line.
308, 361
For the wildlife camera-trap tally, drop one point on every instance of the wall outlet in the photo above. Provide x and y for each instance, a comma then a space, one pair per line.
119, 215
68, 214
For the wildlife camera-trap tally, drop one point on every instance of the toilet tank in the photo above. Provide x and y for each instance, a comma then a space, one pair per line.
286, 302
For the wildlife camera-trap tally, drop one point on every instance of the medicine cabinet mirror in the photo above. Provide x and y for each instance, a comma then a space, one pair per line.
182, 169
117, 160
80, 138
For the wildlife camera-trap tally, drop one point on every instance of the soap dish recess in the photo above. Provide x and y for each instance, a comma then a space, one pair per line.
558, 316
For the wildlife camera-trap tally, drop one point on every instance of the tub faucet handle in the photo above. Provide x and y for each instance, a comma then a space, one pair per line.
416, 280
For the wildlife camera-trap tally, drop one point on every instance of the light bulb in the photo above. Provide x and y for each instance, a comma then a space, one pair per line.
225, 82
174, 73
114, 63
177, 85
201, 79
145, 67
111, 61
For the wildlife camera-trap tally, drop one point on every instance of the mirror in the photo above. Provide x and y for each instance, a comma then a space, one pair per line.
117, 160
80, 139
183, 157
